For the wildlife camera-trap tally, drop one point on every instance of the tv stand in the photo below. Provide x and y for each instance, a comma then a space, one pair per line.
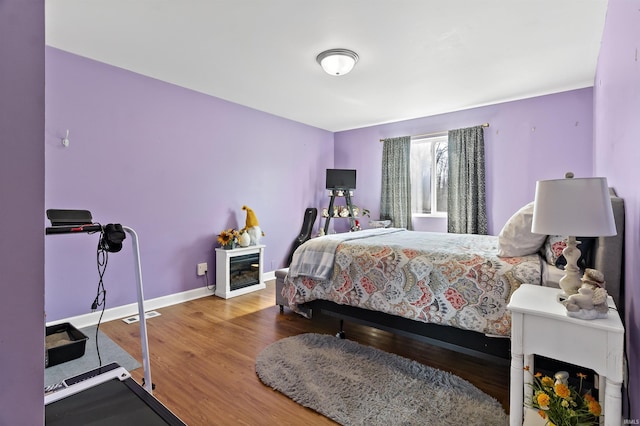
346, 193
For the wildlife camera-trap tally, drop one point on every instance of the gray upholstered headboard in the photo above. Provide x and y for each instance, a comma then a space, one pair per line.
609, 254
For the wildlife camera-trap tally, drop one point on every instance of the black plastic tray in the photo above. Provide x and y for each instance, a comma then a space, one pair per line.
63, 353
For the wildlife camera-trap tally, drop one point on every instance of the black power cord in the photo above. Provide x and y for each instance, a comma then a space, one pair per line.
209, 287
102, 258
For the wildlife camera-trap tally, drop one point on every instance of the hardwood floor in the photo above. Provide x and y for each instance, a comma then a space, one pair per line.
203, 359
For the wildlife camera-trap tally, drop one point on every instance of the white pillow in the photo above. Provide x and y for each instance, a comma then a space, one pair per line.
516, 238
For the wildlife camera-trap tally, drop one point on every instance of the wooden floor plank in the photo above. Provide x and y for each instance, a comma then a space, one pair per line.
203, 358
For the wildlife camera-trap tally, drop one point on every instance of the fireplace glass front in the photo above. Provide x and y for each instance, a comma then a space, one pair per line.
244, 271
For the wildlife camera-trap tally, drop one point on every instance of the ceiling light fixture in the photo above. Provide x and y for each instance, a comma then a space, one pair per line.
337, 61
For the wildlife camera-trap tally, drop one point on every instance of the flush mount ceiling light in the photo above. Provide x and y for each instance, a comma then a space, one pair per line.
337, 61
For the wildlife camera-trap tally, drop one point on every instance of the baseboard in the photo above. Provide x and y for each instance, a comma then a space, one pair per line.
267, 276
123, 311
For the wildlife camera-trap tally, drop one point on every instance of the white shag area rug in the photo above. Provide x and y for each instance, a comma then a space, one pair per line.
360, 385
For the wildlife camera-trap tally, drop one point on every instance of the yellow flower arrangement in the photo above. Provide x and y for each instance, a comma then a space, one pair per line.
228, 237
562, 405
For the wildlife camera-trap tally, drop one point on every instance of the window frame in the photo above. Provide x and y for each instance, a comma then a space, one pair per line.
432, 140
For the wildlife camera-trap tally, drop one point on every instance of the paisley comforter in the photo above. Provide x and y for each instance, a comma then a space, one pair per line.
449, 279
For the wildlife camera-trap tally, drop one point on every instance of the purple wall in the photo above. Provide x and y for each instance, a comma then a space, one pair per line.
528, 140
22, 198
617, 155
173, 164
177, 166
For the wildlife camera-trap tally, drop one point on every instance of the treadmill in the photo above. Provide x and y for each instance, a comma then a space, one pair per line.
105, 396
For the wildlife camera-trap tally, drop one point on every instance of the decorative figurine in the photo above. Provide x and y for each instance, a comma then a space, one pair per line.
591, 300
244, 239
562, 377
252, 226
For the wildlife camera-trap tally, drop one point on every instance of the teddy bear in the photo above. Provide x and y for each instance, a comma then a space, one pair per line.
252, 227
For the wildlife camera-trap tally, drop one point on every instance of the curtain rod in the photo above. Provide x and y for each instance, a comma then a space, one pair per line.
444, 132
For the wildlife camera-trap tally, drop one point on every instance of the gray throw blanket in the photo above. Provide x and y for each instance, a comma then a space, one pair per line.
315, 257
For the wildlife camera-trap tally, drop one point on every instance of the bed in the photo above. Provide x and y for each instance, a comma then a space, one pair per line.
448, 289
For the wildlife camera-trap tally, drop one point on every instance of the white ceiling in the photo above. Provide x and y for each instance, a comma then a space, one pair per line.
417, 57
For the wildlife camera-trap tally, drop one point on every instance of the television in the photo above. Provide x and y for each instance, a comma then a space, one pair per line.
341, 179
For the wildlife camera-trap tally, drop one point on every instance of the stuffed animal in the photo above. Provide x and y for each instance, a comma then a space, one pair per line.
252, 227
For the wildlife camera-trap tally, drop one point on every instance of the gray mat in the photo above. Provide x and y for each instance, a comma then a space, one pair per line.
109, 352
360, 385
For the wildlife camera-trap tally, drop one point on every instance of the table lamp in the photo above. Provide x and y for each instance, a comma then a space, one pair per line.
573, 207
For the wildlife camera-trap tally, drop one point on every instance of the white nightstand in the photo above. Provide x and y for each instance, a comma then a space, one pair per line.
540, 325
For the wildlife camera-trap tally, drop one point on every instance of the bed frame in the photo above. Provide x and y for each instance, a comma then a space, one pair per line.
608, 258
464, 341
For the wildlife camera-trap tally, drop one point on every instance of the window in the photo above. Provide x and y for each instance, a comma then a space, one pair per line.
429, 167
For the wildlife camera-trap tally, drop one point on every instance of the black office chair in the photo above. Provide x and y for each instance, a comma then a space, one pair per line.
310, 215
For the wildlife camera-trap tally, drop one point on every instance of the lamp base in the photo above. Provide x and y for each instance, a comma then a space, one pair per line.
571, 282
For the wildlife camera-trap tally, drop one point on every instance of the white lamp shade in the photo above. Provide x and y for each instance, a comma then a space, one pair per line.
573, 207
337, 61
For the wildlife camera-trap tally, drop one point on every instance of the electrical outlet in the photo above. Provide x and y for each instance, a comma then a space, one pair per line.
202, 268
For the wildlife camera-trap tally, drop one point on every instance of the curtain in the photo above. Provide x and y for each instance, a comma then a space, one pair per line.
395, 199
466, 203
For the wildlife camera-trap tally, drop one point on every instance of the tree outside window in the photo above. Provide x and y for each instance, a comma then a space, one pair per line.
429, 183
